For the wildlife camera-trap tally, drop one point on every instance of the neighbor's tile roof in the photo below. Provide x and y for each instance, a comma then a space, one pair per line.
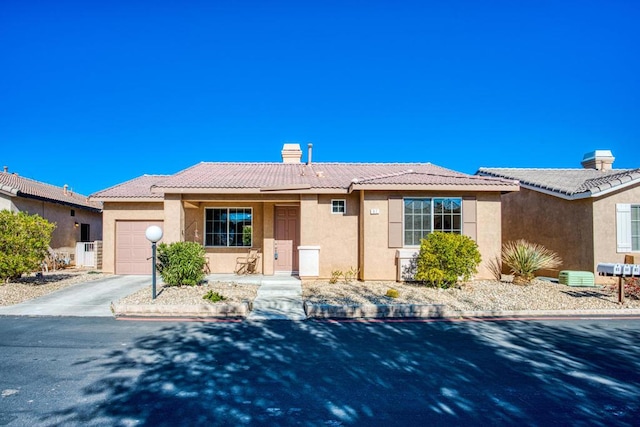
569, 182
318, 175
139, 187
13, 183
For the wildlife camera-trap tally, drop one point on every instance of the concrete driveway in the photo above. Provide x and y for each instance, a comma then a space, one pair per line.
88, 299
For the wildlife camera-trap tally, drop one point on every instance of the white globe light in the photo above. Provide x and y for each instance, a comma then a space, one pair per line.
153, 233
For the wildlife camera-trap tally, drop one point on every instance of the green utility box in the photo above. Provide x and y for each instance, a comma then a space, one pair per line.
577, 278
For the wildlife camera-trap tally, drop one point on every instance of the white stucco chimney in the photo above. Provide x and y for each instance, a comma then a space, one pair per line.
65, 188
291, 153
601, 160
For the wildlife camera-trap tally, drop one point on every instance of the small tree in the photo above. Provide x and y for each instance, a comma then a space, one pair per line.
181, 263
24, 243
525, 258
445, 258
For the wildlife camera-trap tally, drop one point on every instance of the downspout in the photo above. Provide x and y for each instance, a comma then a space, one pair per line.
361, 242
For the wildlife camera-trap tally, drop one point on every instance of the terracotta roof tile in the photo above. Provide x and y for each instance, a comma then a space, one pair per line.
139, 187
317, 175
21, 186
568, 182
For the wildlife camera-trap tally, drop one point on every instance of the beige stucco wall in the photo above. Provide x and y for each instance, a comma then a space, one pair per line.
113, 211
563, 226
66, 234
604, 229
379, 260
488, 231
336, 234
222, 260
6, 203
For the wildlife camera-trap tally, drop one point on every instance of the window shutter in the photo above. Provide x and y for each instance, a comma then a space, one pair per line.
623, 227
395, 222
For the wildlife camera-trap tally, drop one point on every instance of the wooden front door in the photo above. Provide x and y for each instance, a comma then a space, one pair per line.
287, 239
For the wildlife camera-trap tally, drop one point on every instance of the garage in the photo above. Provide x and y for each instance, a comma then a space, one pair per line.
133, 250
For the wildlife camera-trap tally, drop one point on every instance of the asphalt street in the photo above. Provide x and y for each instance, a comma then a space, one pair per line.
101, 371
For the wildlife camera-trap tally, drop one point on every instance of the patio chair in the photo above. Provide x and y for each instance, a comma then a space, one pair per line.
247, 264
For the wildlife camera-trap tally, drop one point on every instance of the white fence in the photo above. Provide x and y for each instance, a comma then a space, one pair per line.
86, 254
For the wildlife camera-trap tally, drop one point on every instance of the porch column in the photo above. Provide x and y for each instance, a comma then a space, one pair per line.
268, 227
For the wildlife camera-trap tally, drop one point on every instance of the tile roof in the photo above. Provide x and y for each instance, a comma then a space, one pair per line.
11, 183
256, 177
318, 175
567, 182
139, 187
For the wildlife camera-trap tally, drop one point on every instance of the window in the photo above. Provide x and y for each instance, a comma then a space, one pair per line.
73, 212
228, 227
627, 227
339, 206
425, 215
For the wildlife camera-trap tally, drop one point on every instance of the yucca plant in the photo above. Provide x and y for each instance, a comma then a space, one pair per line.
525, 258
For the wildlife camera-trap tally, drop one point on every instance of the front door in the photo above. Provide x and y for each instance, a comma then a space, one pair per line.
287, 239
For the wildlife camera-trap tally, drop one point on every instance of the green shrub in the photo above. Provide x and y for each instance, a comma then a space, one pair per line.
213, 296
392, 293
445, 258
525, 258
181, 263
24, 243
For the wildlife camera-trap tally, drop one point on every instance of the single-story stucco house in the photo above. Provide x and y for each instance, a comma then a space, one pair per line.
77, 218
308, 219
587, 215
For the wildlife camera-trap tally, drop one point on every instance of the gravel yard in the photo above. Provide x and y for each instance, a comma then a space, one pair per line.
473, 296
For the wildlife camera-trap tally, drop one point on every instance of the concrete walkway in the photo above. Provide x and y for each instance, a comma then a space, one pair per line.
87, 299
279, 297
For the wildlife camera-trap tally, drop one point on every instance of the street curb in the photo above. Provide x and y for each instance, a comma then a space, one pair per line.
184, 310
437, 311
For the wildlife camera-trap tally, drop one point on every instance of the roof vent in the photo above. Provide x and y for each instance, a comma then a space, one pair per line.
291, 153
601, 160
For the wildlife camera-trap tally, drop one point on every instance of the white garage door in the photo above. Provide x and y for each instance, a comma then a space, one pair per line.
132, 247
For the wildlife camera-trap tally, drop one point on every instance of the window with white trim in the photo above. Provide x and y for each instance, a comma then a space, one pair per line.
228, 227
338, 206
426, 215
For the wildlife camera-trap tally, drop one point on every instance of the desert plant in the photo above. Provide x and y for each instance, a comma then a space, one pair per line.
392, 293
335, 276
24, 243
181, 263
445, 258
495, 267
350, 275
213, 296
525, 258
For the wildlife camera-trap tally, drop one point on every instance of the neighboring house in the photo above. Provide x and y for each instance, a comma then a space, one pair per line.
587, 215
77, 219
308, 219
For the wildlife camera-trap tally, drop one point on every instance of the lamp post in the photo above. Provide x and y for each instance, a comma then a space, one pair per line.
153, 234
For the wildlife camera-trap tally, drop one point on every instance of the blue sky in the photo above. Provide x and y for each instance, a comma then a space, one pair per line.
96, 93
